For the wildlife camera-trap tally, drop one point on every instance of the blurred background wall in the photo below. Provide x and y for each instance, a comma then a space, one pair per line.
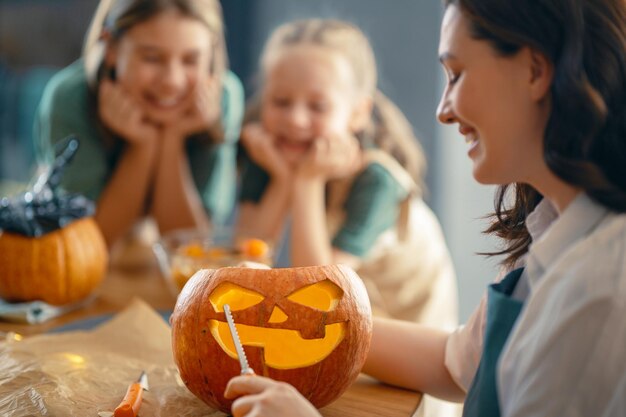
37, 37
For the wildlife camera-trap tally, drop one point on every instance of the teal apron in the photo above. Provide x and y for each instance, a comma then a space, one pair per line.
502, 312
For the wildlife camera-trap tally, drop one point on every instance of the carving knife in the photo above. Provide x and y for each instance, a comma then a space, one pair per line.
243, 361
129, 407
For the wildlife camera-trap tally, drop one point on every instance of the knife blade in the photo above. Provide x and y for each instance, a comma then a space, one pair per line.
241, 354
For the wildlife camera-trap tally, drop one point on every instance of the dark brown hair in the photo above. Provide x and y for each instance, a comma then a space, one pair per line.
585, 137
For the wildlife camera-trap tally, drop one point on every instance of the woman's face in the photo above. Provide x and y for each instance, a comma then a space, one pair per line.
160, 61
308, 93
496, 102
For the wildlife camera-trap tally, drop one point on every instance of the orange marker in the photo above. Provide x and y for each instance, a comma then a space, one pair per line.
129, 407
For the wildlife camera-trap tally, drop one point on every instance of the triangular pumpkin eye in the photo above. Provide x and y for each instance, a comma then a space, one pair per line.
323, 295
238, 298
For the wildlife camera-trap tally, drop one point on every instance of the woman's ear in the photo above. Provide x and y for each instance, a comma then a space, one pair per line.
361, 114
541, 75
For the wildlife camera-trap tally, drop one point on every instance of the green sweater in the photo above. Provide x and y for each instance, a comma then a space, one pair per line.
65, 109
372, 206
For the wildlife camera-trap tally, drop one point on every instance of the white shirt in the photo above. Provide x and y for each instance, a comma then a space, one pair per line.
566, 355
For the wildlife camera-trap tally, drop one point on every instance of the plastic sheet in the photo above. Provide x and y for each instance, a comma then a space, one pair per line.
34, 312
85, 372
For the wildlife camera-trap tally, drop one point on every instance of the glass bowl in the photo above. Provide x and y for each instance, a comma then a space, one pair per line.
181, 253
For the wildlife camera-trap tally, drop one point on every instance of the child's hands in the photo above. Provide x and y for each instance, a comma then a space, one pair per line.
202, 111
332, 157
260, 147
123, 115
260, 396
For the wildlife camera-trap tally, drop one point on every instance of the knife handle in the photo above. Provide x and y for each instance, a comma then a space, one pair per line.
129, 407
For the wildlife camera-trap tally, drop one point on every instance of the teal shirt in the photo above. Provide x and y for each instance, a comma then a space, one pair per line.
372, 205
65, 109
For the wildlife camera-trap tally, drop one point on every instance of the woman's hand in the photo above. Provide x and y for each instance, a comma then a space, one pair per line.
260, 147
259, 396
123, 115
202, 110
332, 157
176, 202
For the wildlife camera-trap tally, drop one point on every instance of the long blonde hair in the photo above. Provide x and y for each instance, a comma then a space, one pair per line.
388, 129
117, 16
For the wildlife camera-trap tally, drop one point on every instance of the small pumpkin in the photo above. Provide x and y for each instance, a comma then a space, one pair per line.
310, 327
59, 267
51, 249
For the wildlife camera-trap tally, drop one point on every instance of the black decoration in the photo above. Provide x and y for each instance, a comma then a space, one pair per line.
46, 207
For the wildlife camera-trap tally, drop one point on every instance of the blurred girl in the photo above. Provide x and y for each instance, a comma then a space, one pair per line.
538, 89
157, 114
328, 150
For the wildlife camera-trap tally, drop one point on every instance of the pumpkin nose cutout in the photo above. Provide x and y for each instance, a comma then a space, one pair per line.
278, 315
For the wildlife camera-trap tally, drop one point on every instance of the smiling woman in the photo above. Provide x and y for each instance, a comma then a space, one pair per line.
485, 95
157, 114
160, 63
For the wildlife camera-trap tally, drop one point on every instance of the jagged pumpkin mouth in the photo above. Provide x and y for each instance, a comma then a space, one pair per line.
282, 348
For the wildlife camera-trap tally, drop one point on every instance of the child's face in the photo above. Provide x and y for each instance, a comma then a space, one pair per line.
494, 102
308, 93
159, 62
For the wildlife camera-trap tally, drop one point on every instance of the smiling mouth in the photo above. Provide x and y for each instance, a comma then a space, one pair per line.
282, 348
471, 139
295, 146
164, 104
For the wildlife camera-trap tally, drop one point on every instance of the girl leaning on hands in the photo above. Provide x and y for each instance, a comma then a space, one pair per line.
157, 114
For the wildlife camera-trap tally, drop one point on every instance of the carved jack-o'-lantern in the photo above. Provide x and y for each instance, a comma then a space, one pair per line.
310, 327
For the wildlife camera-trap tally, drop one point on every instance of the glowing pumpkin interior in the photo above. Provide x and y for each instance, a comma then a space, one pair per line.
283, 348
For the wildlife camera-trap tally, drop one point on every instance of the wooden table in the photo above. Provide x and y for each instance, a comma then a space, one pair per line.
366, 397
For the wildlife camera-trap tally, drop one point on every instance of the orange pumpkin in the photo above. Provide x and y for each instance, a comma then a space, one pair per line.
59, 267
310, 327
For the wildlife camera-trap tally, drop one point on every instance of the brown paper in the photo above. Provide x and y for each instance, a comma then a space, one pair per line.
82, 373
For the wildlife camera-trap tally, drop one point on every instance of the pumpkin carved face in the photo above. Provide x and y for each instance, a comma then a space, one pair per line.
310, 327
